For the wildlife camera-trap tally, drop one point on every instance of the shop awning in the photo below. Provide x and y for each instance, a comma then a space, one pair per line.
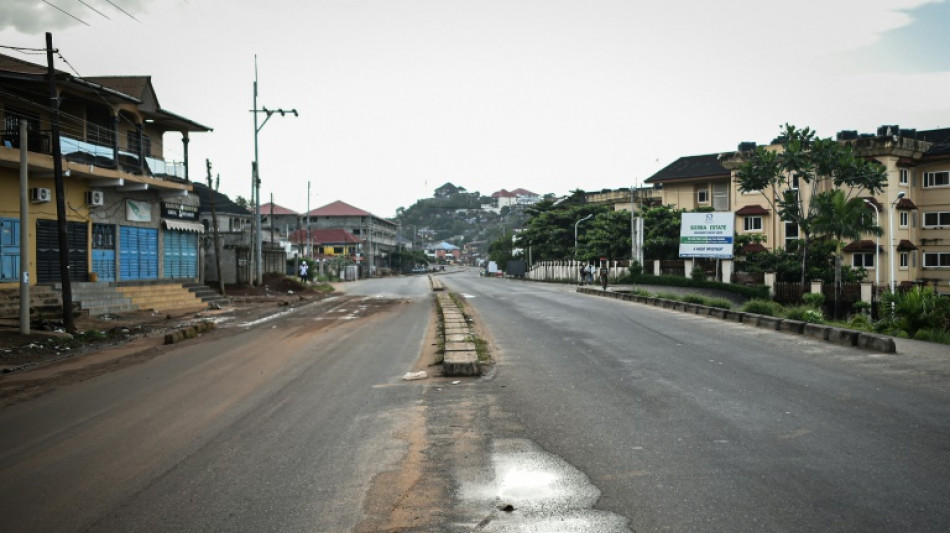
184, 225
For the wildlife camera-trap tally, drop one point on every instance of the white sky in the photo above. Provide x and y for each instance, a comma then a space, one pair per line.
397, 97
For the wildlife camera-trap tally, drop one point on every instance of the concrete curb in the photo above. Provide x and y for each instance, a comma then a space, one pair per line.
460, 355
834, 335
189, 332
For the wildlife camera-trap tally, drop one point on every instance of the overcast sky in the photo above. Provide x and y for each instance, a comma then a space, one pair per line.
397, 97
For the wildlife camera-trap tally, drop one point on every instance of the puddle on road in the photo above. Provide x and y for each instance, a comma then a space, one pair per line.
533, 491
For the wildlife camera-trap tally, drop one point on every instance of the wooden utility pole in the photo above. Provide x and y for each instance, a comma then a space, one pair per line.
214, 229
68, 324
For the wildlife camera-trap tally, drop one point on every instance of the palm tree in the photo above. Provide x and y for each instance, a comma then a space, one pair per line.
842, 218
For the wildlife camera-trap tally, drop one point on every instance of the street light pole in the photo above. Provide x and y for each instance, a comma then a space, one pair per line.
256, 181
575, 232
877, 245
893, 248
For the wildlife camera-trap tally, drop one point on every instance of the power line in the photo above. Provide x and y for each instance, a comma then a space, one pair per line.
124, 11
67, 13
94, 9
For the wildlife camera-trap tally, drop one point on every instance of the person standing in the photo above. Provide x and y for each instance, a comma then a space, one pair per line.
304, 271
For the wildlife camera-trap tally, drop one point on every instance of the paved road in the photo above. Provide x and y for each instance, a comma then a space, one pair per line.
279, 426
600, 416
692, 424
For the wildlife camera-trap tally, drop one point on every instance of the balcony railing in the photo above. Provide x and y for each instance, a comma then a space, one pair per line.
81, 151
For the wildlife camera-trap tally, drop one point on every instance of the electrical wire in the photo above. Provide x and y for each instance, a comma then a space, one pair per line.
67, 13
124, 11
94, 9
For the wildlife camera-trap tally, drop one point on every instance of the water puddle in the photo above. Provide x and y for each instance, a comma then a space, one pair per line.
533, 491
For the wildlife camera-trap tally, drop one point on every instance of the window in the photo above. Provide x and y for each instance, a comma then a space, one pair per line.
794, 183
903, 217
937, 179
337, 250
100, 126
937, 260
11, 120
753, 223
791, 232
904, 259
862, 259
133, 138
936, 219
721, 196
702, 196
9, 249
904, 173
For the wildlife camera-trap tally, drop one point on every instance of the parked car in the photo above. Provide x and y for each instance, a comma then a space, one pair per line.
418, 270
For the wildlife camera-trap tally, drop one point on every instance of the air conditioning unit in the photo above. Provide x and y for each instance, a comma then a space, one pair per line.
95, 198
39, 195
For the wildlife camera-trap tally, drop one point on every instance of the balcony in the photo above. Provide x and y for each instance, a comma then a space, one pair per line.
80, 151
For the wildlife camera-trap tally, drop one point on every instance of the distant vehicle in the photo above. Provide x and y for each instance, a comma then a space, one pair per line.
418, 270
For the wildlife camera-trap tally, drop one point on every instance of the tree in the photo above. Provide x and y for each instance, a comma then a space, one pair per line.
242, 202
842, 218
608, 236
502, 250
550, 230
661, 232
790, 179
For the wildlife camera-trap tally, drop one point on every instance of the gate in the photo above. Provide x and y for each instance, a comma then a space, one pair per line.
181, 254
47, 251
9, 249
103, 251
138, 253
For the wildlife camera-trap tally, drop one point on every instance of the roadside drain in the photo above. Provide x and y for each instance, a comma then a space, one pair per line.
534, 491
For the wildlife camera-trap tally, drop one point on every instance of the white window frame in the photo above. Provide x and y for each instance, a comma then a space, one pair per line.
702, 195
940, 215
866, 258
750, 222
941, 257
904, 260
938, 178
904, 176
788, 237
904, 219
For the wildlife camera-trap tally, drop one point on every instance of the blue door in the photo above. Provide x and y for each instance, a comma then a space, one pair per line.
138, 253
9, 249
103, 251
181, 254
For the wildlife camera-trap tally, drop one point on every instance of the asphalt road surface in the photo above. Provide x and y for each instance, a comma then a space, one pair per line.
687, 423
599, 416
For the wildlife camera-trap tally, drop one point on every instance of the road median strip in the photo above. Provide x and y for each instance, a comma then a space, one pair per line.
831, 334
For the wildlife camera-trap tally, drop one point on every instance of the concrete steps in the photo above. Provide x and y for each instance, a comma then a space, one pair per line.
162, 297
44, 301
96, 299
206, 294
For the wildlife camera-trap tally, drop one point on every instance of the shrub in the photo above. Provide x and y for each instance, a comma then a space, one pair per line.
636, 269
642, 293
720, 303
804, 313
760, 291
762, 307
860, 321
667, 296
933, 335
861, 308
694, 299
813, 299
698, 274
914, 310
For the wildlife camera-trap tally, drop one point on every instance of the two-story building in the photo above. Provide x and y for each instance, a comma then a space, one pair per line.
128, 211
913, 210
377, 235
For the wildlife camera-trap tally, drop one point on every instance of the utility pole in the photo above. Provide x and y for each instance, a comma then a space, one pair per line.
60, 192
24, 231
256, 186
214, 228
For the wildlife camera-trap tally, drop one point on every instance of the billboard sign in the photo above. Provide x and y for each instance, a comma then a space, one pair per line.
707, 235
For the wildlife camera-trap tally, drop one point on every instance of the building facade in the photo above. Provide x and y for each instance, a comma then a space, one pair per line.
129, 212
913, 210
